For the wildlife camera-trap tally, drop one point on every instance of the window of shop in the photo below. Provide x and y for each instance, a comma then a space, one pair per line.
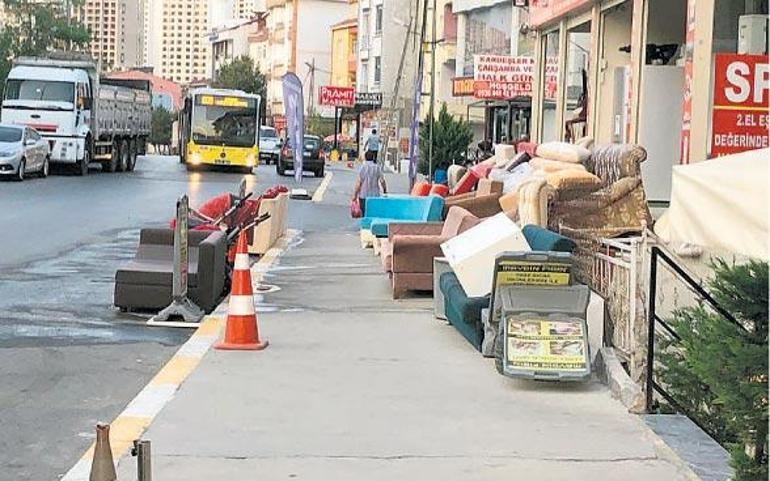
576, 81
550, 87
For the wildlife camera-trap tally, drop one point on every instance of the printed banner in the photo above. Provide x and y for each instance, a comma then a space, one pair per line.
295, 119
337, 96
740, 116
502, 76
545, 345
689, 46
524, 273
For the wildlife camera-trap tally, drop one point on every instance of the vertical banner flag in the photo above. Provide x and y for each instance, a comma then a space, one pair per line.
295, 119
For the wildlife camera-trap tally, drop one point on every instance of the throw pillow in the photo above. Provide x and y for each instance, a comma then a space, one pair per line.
573, 179
563, 151
548, 165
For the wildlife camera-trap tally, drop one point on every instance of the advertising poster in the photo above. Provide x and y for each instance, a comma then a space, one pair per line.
295, 119
545, 345
741, 115
523, 273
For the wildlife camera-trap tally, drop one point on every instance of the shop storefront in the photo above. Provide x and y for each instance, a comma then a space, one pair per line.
687, 80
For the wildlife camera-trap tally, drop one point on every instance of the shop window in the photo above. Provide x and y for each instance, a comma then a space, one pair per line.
548, 128
576, 81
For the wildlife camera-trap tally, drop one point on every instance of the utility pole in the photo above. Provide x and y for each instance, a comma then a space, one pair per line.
432, 93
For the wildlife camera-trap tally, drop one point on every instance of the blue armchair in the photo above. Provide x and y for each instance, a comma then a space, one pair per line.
381, 211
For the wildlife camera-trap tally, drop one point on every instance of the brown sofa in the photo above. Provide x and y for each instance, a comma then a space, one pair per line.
145, 282
484, 202
410, 248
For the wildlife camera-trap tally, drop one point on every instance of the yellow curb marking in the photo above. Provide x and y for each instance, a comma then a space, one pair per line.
176, 370
209, 326
318, 195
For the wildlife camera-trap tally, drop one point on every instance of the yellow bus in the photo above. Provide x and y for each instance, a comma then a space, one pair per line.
219, 127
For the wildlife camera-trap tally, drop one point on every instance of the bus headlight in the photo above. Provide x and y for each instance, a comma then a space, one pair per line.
251, 159
195, 158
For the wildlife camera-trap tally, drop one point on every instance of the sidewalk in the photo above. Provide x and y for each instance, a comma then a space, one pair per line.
357, 386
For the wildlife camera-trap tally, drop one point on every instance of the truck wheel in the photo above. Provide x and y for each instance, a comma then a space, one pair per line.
132, 154
113, 164
82, 165
125, 156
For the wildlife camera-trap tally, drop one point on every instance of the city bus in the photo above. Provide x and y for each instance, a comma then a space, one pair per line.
219, 127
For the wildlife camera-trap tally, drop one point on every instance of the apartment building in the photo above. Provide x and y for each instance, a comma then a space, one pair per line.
298, 43
177, 43
117, 31
234, 39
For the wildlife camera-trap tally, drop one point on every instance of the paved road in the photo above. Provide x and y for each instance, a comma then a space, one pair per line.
67, 357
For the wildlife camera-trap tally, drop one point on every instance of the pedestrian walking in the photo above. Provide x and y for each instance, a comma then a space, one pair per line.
370, 183
372, 146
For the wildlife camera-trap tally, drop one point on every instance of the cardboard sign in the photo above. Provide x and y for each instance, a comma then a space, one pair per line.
337, 96
545, 344
740, 116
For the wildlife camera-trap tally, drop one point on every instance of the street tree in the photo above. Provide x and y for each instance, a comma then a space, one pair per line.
451, 138
162, 123
33, 28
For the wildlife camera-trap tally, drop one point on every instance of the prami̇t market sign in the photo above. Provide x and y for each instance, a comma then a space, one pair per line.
502, 77
741, 116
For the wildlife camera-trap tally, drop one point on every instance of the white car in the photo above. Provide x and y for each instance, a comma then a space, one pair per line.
269, 145
22, 152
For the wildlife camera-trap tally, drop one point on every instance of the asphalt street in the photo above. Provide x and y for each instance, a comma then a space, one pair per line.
67, 358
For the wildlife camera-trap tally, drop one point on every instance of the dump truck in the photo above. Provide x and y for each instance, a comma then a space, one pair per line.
85, 119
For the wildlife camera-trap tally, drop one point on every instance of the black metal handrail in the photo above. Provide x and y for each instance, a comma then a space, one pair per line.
653, 319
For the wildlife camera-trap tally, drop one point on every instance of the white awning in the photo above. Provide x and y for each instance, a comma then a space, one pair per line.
722, 203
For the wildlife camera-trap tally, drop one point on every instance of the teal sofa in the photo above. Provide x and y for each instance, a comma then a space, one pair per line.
464, 313
381, 211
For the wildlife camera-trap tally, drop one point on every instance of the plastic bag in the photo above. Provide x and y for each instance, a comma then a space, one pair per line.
355, 209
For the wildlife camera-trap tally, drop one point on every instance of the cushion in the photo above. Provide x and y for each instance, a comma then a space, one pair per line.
563, 151
573, 179
541, 239
467, 183
421, 189
528, 147
548, 165
439, 189
585, 142
481, 170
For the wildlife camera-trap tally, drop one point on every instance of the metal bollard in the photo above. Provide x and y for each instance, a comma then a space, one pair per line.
142, 452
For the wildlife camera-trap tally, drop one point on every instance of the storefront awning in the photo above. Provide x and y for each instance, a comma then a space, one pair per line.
722, 204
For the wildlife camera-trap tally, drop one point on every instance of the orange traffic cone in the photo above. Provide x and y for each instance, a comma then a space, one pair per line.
102, 467
241, 332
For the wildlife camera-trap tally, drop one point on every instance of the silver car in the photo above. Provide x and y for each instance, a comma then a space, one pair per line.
22, 152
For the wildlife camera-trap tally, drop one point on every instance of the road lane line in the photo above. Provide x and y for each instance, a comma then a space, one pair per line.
318, 195
142, 410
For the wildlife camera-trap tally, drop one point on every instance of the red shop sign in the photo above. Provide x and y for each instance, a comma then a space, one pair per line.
337, 96
740, 116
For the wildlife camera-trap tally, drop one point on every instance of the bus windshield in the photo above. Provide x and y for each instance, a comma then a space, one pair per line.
224, 120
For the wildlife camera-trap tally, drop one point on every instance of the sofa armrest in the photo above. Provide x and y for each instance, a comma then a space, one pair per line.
415, 253
157, 236
481, 205
414, 228
212, 252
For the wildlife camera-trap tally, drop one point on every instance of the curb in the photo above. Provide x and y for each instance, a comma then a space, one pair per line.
611, 373
666, 453
142, 410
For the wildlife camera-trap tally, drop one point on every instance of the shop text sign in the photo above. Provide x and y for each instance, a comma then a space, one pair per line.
741, 116
462, 87
337, 96
502, 76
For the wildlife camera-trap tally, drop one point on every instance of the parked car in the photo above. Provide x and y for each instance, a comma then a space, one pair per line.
311, 157
269, 145
22, 151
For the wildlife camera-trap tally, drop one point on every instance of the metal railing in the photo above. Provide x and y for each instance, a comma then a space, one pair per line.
658, 255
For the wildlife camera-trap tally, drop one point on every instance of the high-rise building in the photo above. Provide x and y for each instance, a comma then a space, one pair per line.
177, 45
117, 31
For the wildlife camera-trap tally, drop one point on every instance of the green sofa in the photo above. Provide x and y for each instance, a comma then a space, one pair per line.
464, 313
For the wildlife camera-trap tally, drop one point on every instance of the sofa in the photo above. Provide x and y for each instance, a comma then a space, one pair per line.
264, 236
484, 202
381, 211
407, 254
464, 312
145, 283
